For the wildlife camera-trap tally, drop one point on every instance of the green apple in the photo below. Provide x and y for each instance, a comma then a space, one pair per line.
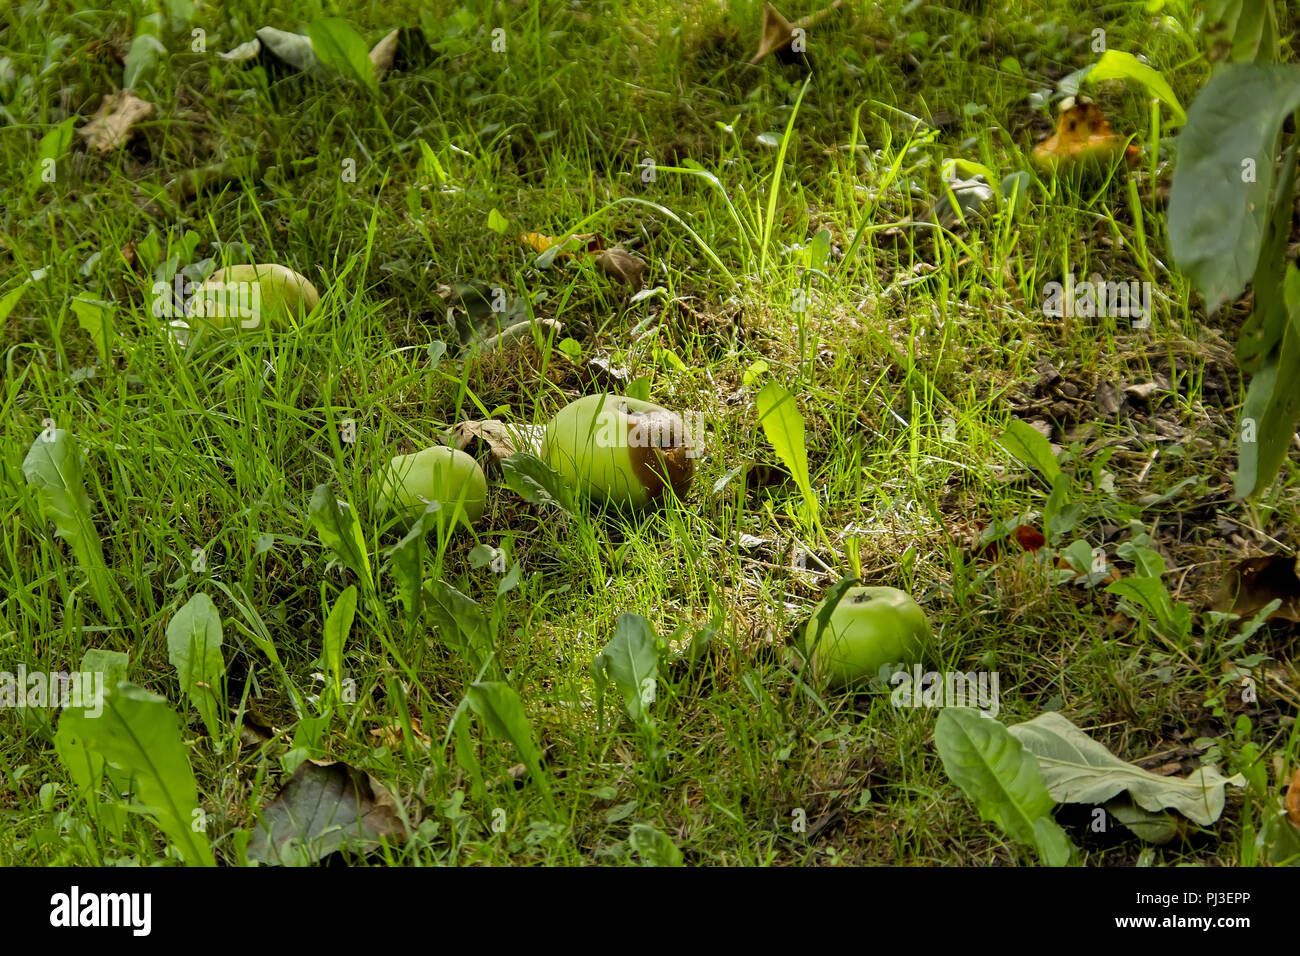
623, 452
445, 475
870, 627
243, 296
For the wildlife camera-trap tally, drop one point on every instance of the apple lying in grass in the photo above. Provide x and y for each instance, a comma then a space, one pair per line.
623, 452
869, 628
445, 475
243, 296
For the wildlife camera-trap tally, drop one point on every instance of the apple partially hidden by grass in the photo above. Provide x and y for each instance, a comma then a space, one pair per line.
245, 296
619, 451
869, 628
445, 475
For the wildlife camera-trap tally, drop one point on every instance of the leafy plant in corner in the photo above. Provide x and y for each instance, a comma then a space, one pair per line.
1230, 210
1002, 779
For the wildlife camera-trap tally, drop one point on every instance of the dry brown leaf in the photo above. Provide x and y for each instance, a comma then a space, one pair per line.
326, 806
778, 32
495, 438
623, 267
381, 56
392, 737
110, 127
1083, 135
1025, 537
604, 376
1255, 582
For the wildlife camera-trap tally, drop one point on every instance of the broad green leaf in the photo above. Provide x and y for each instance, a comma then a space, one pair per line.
1054, 847
1260, 336
999, 777
460, 623
1025, 442
1060, 514
1077, 769
1147, 562
653, 847
819, 248
49, 151
180, 11
111, 664
1015, 191
1223, 183
340, 47
406, 560
784, 427
1154, 827
339, 529
53, 468
1272, 405
194, 643
141, 735
141, 62
1174, 620
1242, 31
501, 711
631, 662
10, 298
96, 320
86, 767
1119, 65
537, 482
338, 624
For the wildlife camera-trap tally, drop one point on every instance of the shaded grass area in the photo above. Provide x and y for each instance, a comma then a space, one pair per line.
909, 359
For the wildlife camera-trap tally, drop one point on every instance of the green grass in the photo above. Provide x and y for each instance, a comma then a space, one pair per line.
912, 355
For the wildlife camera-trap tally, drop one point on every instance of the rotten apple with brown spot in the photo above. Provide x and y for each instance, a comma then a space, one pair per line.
623, 452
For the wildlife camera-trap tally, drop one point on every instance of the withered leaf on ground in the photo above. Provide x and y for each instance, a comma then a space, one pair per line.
605, 376
623, 267
111, 125
1083, 135
1255, 582
992, 540
325, 806
495, 438
392, 735
778, 33
381, 55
